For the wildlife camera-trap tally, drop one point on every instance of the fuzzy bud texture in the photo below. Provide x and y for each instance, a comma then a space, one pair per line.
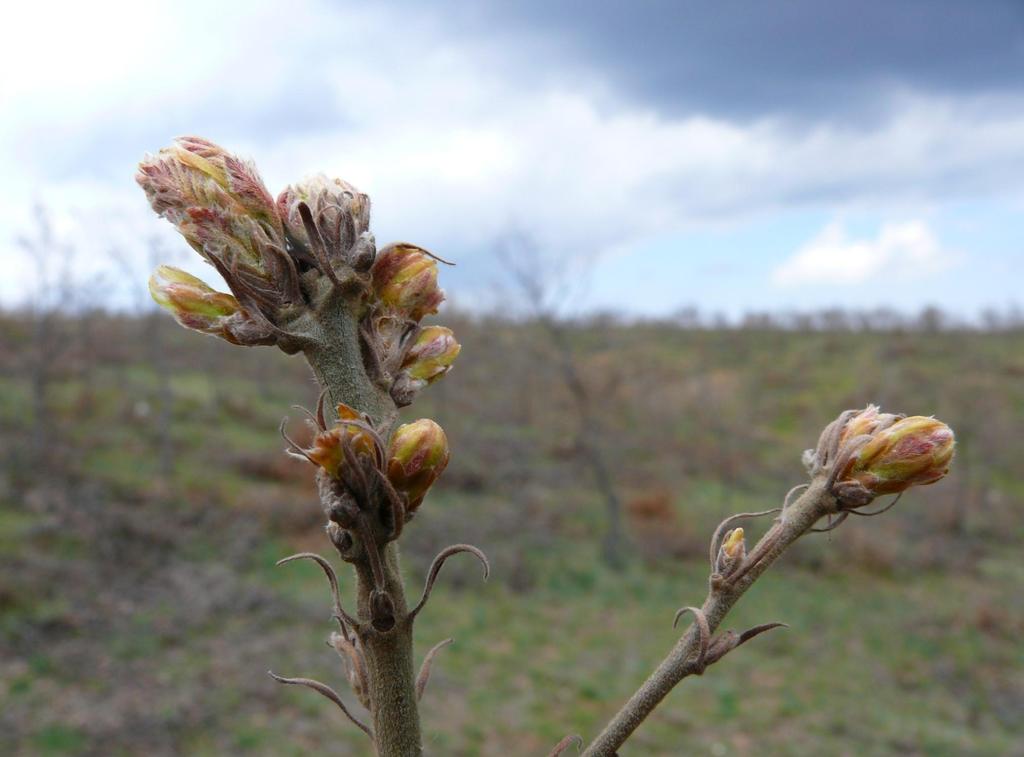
734, 544
911, 452
196, 305
866, 423
418, 454
218, 202
405, 281
328, 446
341, 214
431, 355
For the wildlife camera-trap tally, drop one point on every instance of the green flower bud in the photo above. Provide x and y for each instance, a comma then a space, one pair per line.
431, 354
911, 452
417, 455
405, 280
195, 305
427, 359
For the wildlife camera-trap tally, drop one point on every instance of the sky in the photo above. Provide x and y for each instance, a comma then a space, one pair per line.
732, 156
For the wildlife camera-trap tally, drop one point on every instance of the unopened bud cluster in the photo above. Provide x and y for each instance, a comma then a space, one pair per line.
305, 274
340, 216
881, 453
219, 203
286, 260
415, 457
405, 285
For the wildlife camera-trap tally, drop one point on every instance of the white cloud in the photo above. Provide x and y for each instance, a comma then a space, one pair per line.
900, 250
454, 144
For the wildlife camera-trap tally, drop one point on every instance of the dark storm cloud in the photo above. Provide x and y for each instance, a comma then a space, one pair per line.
749, 59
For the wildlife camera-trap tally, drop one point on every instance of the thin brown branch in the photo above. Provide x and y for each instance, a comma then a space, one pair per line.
832, 524
811, 506
872, 514
724, 644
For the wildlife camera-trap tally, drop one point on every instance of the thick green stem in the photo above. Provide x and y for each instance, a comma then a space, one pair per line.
681, 661
334, 351
389, 664
336, 357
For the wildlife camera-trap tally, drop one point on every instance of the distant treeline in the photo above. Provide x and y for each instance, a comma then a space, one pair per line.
928, 320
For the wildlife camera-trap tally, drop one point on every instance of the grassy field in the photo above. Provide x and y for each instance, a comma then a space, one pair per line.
144, 501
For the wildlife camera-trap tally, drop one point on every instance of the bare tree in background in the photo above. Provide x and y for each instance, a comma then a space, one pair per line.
52, 296
162, 397
543, 289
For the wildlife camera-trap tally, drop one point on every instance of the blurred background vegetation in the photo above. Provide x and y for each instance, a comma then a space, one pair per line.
144, 497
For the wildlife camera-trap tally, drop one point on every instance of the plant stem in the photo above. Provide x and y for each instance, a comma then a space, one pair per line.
798, 518
391, 676
335, 354
336, 358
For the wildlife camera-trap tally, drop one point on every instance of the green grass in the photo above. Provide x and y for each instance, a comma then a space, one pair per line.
915, 652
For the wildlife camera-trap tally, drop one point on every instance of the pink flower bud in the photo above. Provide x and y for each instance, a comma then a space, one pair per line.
219, 204
911, 452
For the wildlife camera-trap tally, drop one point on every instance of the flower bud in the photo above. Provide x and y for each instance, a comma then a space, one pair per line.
405, 280
341, 214
428, 358
866, 423
911, 452
734, 545
328, 446
417, 455
197, 306
431, 354
218, 202
731, 552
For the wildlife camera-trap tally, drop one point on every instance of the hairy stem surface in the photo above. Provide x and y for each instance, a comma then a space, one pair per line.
337, 361
389, 664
